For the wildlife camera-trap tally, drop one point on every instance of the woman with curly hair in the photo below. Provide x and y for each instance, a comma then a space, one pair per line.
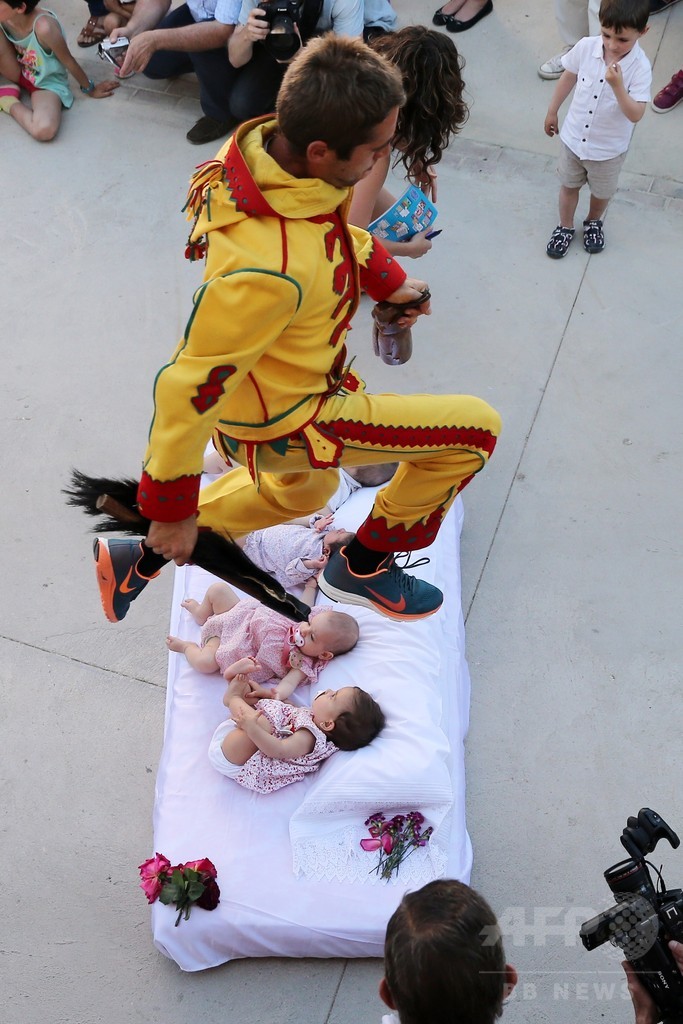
434, 111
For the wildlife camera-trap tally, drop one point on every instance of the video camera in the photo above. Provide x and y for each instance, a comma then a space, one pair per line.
283, 40
645, 918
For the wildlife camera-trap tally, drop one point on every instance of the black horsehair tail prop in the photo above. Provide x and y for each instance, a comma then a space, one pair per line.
114, 504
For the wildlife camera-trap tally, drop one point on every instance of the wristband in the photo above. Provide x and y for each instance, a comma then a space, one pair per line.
89, 90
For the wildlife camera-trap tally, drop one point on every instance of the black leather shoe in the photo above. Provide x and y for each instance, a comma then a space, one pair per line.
207, 129
454, 25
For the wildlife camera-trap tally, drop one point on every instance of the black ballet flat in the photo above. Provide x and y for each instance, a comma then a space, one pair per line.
442, 19
454, 25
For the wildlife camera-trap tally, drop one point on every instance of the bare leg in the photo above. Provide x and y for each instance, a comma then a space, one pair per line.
42, 118
237, 747
219, 598
203, 659
9, 65
597, 208
569, 198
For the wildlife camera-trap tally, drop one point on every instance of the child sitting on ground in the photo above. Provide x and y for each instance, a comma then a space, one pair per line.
284, 651
34, 56
274, 744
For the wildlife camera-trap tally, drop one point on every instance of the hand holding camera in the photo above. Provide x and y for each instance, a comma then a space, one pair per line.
282, 39
114, 52
646, 923
258, 26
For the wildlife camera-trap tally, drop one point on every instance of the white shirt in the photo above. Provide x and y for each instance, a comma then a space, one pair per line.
595, 127
225, 11
343, 17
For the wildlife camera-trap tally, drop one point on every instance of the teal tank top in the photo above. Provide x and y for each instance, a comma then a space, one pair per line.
40, 66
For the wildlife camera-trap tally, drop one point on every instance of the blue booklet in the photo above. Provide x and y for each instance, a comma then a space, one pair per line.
409, 215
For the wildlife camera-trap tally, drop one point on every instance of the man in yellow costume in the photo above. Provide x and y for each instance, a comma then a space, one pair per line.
262, 366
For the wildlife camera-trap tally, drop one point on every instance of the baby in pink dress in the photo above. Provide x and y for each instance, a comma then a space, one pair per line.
292, 654
272, 744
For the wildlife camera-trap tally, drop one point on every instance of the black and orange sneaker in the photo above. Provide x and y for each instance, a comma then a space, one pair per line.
117, 576
389, 591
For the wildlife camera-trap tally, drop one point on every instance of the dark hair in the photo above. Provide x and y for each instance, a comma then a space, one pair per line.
337, 90
336, 545
29, 5
434, 109
620, 14
355, 729
443, 957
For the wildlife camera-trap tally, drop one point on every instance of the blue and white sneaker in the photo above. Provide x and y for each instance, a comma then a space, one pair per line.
389, 591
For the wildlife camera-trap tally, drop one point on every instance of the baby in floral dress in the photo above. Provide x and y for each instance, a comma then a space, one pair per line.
274, 744
291, 653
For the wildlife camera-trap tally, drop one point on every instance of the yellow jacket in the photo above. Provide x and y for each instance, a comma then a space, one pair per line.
264, 345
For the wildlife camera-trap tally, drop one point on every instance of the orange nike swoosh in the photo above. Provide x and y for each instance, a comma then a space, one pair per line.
396, 606
124, 588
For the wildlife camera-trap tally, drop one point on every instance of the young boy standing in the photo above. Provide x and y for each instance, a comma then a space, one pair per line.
612, 76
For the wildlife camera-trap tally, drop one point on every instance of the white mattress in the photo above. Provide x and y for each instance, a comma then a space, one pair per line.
294, 881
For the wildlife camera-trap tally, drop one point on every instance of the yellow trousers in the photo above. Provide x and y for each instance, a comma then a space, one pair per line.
440, 441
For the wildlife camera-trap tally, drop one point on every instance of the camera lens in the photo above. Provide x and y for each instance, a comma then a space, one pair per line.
629, 876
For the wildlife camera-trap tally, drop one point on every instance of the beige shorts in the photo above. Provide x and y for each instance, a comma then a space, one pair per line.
602, 175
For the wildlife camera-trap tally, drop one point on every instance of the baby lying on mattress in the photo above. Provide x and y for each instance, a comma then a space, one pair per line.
291, 653
273, 743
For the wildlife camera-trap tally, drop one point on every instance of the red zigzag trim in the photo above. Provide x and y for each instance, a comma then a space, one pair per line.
414, 437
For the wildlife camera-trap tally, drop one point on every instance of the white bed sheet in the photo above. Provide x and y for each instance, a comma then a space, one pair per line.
293, 879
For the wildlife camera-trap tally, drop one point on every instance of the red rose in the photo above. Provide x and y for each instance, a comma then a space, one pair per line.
153, 873
203, 866
210, 898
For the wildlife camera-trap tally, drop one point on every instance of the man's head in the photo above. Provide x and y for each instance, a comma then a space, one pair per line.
337, 108
444, 958
625, 16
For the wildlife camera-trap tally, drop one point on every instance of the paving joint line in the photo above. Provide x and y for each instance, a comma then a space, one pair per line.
81, 661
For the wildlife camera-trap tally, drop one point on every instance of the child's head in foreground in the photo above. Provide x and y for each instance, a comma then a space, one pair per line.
327, 634
349, 717
27, 5
444, 959
625, 16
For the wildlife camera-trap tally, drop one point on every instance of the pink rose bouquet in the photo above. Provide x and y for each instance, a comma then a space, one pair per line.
180, 884
395, 839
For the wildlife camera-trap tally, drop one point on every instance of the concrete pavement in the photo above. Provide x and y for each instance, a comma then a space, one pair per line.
571, 548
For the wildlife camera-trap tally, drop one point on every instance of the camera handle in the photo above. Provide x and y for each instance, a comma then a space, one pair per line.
642, 834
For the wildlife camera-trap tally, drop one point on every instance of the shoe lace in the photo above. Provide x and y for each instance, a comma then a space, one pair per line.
404, 582
406, 564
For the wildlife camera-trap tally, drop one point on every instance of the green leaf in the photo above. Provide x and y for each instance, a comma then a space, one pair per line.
195, 890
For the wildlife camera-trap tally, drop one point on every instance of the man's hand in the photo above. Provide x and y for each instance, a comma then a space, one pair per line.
410, 290
257, 26
643, 1003
140, 52
175, 541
